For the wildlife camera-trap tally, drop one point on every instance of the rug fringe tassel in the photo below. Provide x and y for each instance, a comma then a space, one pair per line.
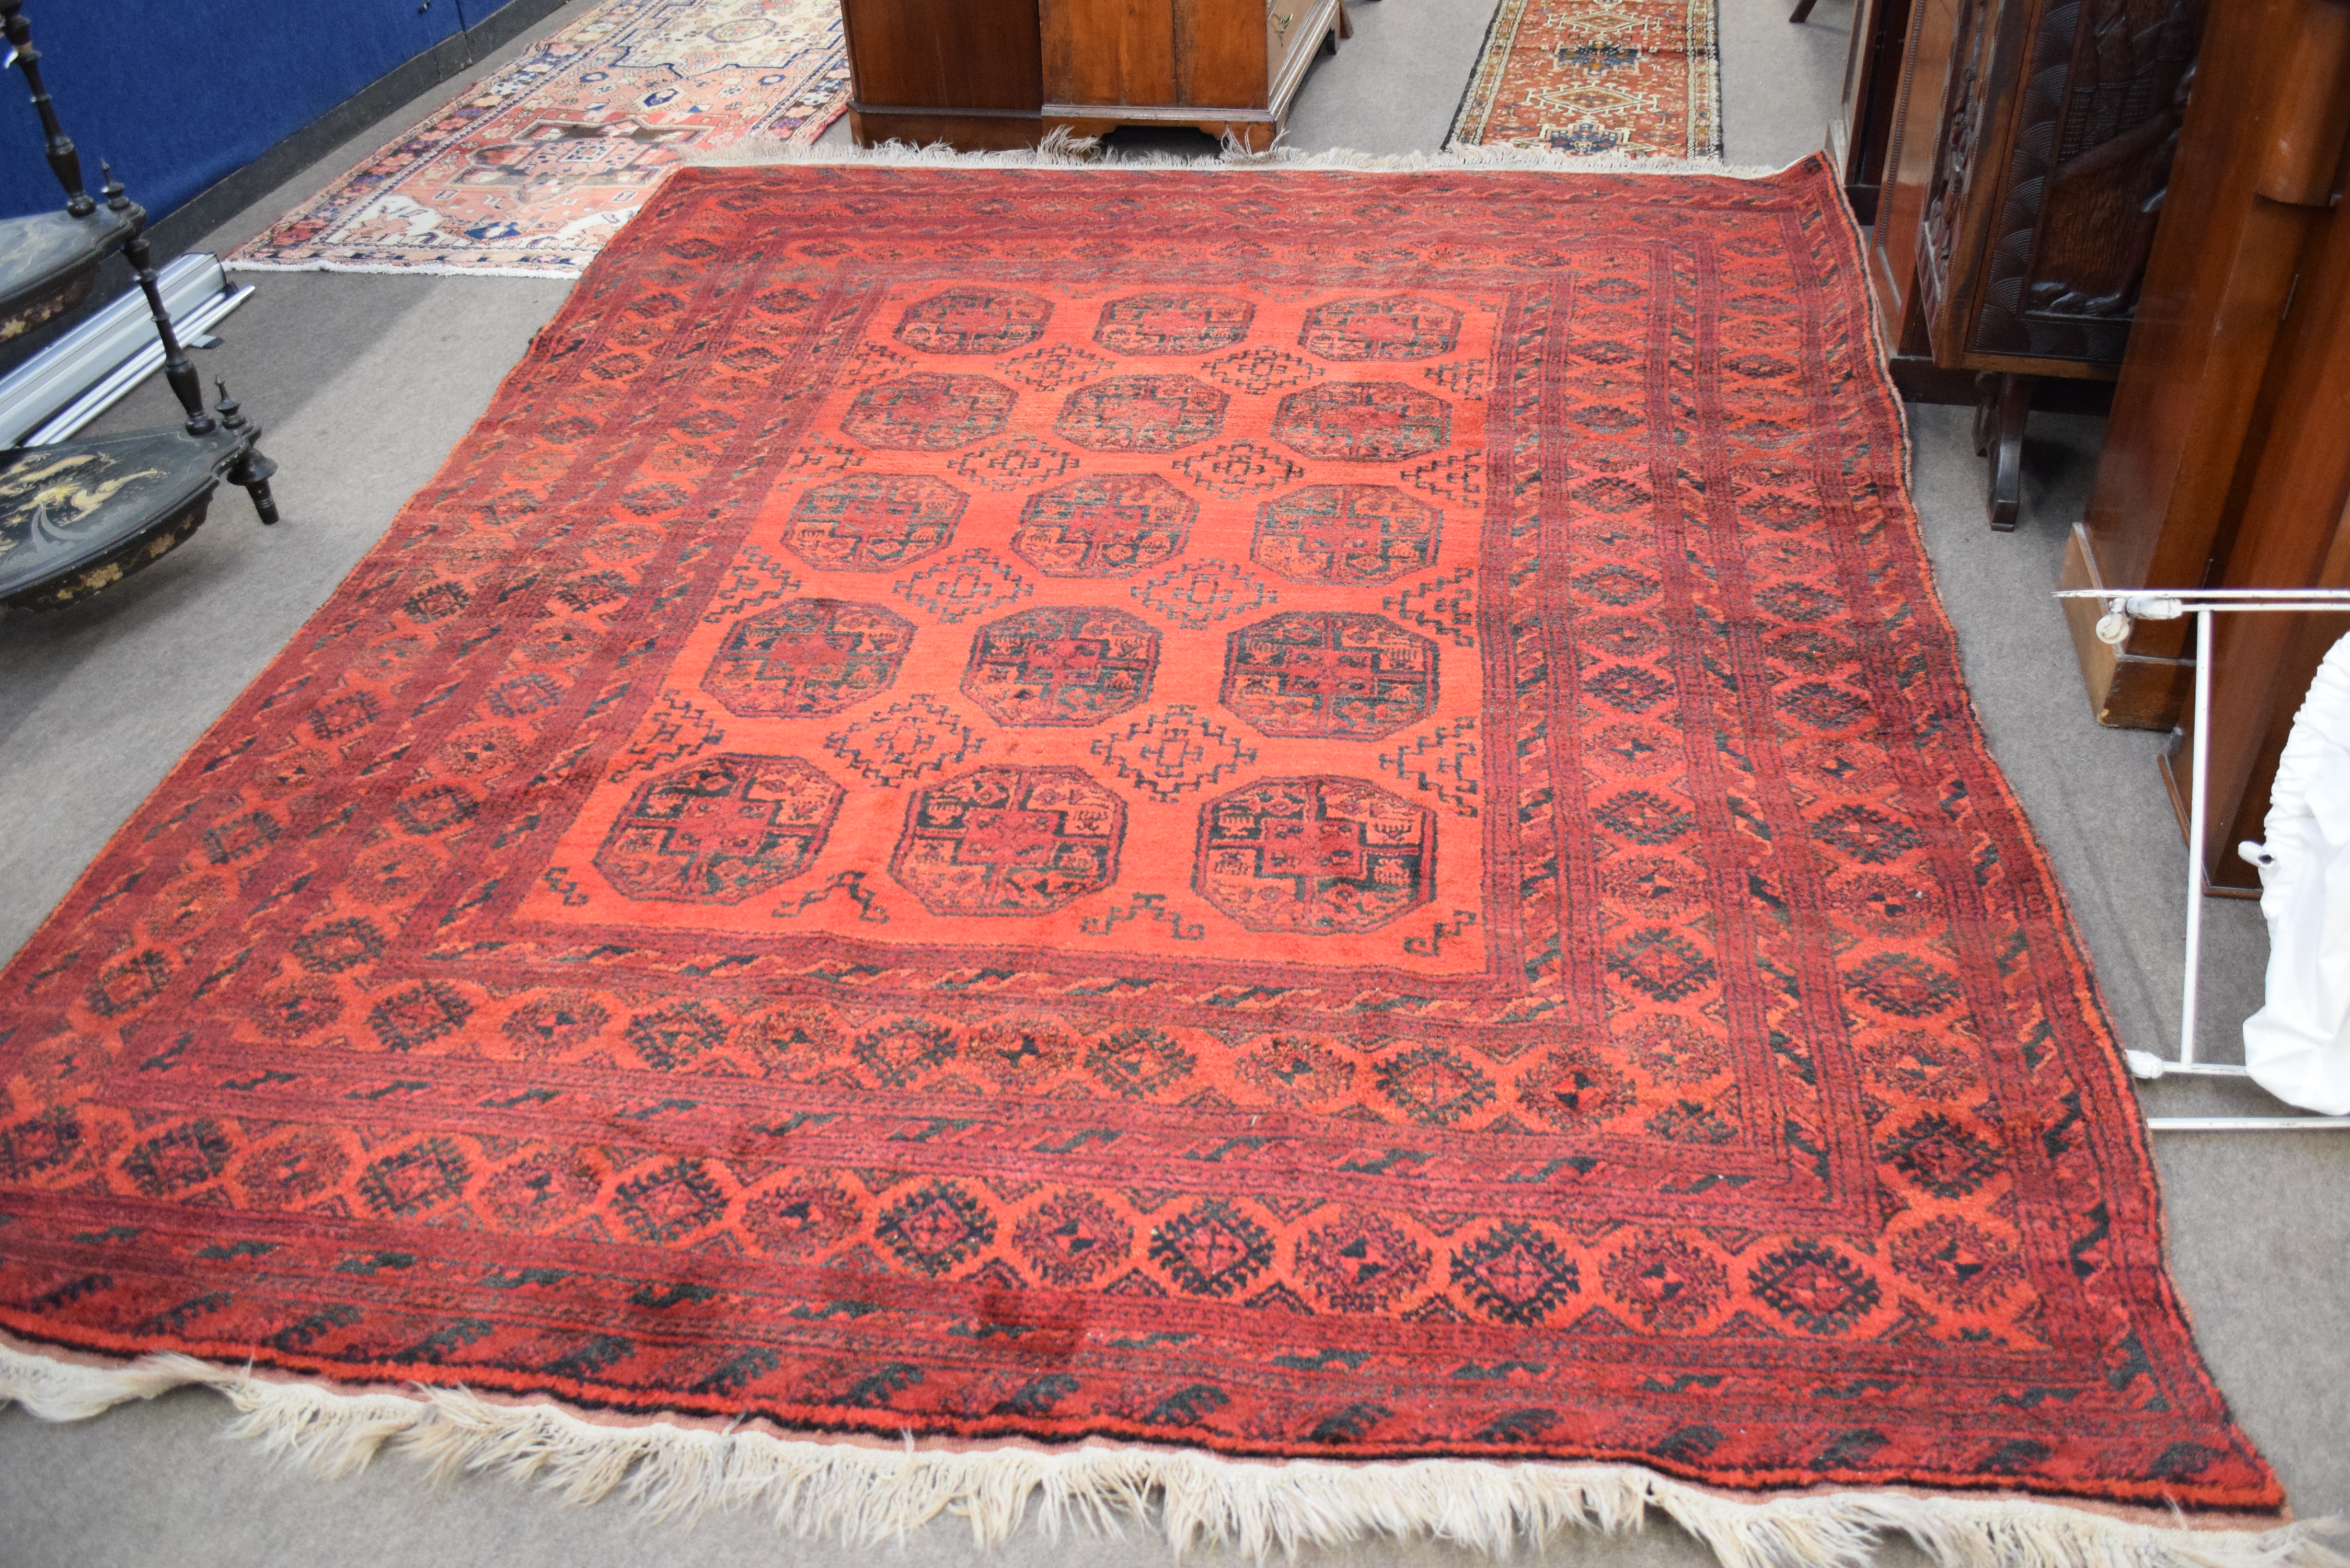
1260, 1507
1061, 151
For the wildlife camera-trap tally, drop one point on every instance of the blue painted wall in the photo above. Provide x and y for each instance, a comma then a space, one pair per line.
181, 93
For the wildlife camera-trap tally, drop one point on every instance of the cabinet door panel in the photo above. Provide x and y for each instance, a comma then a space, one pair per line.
1223, 64
944, 54
1909, 164
1109, 52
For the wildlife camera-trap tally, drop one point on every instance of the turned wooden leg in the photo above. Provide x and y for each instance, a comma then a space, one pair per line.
1801, 13
2002, 405
250, 471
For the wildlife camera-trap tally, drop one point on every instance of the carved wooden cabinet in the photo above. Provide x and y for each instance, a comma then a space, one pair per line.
982, 74
2030, 150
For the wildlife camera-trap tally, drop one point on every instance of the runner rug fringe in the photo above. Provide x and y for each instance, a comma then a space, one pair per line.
872, 1495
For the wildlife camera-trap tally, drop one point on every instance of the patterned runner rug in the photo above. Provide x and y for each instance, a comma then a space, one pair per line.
938, 826
1635, 78
534, 173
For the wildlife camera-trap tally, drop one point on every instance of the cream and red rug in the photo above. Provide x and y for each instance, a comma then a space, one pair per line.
1631, 78
534, 173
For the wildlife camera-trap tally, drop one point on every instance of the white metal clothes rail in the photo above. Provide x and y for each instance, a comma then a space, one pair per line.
2114, 627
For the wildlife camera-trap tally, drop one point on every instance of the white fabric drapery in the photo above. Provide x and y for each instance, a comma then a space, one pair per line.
2297, 1047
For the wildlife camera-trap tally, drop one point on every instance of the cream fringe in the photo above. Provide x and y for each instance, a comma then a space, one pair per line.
1061, 151
876, 1494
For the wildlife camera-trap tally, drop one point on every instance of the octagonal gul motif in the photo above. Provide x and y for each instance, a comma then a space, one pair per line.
1319, 855
720, 830
874, 522
1185, 323
1141, 413
1391, 327
1010, 841
926, 412
1107, 526
1336, 675
1061, 665
1345, 533
806, 658
974, 321
1363, 422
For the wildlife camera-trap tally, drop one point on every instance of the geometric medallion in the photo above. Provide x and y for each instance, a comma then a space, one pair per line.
1317, 856
1141, 413
928, 412
719, 830
873, 522
1062, 665
1393, 326
1329, 675
1173, 323
806, 658
1345, 533
974, 321
1009, 841
1363, 422
1105, 527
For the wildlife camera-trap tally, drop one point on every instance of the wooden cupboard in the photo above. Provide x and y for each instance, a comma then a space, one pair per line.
966, 72
983, 73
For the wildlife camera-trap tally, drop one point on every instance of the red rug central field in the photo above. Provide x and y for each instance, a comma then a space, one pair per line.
1291, 814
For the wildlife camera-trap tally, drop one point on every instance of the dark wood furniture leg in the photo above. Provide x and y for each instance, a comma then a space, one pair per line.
2004, 403
251, 470
64, 162
1801, 13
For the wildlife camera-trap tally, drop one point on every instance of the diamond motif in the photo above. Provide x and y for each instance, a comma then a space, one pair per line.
1171, 751
1257, 371
1213, 1249
964, 586
1432, 1085
906, 741
935, 1228
1814, 1287
1013, 463
1238, 468
1054, 367
1198, 595
1515, 1274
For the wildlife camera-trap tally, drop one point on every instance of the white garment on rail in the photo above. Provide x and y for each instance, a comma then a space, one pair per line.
2298, 1046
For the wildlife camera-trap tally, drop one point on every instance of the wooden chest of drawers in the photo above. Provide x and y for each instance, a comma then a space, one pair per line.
1002, 73
1224, 66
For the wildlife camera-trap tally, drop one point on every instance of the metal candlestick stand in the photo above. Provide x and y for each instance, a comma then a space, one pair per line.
2114, 627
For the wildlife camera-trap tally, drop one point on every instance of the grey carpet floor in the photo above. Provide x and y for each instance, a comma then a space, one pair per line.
367, 382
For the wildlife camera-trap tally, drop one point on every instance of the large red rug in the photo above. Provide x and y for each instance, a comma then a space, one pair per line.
1303, 813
